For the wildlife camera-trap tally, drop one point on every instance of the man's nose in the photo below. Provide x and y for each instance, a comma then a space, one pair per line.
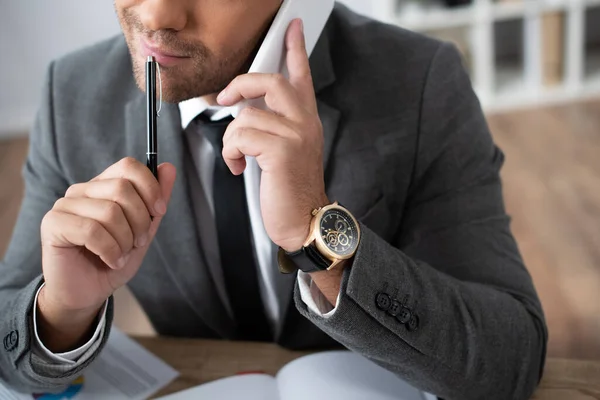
157, 15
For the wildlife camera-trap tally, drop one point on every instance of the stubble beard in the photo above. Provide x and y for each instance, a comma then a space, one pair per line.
204, 73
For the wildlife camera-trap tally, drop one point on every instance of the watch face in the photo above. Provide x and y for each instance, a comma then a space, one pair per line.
339, 232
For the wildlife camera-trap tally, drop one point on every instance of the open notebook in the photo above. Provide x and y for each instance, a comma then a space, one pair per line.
337, 375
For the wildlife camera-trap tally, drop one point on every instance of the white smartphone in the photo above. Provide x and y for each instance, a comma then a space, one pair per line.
271, 56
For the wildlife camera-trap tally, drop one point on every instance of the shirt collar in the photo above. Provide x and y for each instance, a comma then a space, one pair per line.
190, 109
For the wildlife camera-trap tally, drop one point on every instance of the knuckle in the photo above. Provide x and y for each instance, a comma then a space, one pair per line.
233, 126
48, 221
247, 112
241, 134
128, 162
90, 228
58, 204
122, 189
111, 212
233, 133
279, 80
112, 251
72, 190
241, 131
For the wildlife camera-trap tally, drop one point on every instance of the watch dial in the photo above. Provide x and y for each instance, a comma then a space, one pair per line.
339, 232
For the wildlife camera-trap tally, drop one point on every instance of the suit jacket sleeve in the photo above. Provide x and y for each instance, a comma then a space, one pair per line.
478, 330
21, 268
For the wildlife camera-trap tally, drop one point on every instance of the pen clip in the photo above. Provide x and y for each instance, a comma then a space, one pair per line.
160, 101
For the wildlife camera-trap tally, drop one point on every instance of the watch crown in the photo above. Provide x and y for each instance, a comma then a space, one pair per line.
316, 211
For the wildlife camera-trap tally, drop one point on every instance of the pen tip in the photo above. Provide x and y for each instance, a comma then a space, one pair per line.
150, 59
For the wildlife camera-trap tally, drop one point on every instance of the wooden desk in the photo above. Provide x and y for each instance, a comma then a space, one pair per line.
201, 361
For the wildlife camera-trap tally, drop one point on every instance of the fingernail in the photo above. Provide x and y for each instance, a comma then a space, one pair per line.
160, 207
141, 241
301, 26
222, 96
122, 261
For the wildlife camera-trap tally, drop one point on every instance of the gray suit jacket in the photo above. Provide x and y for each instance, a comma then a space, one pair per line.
407, 150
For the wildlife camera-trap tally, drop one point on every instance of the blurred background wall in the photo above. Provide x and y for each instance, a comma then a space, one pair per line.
32, 33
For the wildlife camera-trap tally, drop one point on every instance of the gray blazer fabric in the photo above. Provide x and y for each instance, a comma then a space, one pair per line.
407, 150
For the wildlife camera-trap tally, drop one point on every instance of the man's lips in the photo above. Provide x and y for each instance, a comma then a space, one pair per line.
162, 56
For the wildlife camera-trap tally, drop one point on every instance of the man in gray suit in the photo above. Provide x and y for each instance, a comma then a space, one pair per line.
418, 271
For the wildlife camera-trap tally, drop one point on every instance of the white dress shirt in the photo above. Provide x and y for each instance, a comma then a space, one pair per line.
204, 157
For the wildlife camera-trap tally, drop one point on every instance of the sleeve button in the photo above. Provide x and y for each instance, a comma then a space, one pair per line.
413, 324
11, 341
394, 308
404, 315
383, 301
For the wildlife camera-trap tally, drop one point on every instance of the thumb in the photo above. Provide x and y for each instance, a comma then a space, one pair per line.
166, 177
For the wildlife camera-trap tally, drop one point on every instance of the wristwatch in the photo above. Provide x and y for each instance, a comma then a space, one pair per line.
334, 237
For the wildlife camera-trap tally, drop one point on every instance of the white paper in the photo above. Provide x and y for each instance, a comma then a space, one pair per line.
337, 375
245, 387
342, 375
124, 370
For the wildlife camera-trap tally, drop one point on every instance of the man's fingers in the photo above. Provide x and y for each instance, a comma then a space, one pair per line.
121, 192
261, 120
68, 230
291, 98
277, 91
142, 180
298, 64
106, 212
167, 175
247, 142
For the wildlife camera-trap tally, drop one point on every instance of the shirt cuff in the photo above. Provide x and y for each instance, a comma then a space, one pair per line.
314, 299
70, 357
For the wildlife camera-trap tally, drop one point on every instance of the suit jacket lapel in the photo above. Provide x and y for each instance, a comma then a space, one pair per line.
323, 76
177, 241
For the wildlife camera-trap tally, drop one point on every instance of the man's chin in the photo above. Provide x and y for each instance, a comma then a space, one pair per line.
173, 92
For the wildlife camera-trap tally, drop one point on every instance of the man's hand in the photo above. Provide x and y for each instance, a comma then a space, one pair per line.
287, 143
93, 242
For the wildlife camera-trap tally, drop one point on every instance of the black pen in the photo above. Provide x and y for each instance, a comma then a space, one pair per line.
152, 151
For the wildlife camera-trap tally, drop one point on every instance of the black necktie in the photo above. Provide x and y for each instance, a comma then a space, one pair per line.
235, 244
